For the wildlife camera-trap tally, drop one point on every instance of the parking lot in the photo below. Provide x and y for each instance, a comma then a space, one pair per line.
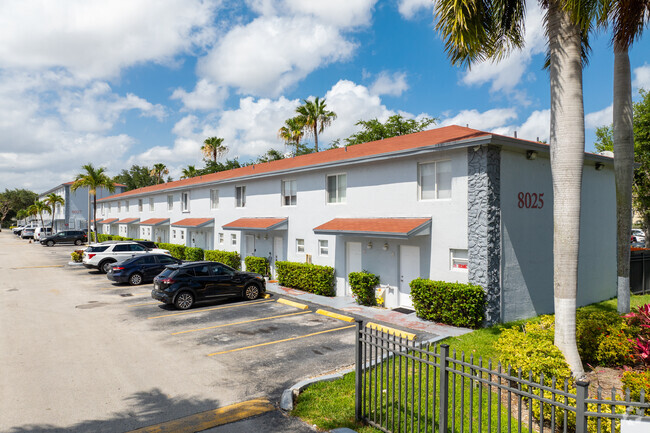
85, 354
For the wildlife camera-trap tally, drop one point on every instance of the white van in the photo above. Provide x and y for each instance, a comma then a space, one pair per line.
42, 232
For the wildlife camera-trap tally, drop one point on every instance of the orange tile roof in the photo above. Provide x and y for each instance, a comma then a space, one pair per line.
402, 227
193, 222
431, 137
154, 221
128, 221
109, 220
254, 223
97, 221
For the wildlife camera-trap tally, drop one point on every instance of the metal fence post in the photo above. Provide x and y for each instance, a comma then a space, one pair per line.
582, 389
358, 371
444, 389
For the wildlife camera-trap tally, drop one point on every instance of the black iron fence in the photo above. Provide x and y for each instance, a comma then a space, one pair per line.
402, 386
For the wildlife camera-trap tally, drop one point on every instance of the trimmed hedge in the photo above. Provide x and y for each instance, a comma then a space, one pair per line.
363, 286
193, 254
230, 258
177, 251
259, 265
451, 303
304, 276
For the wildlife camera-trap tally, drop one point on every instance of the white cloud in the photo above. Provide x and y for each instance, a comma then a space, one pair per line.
270, 54
642, 77
205, 96
485, 121
95, 38
600, 118
386, 84
340, 13
408, 8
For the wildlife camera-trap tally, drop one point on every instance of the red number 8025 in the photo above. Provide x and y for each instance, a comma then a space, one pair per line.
531, 200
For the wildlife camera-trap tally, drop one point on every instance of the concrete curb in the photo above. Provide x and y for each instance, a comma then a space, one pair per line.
293, 304
393, 331
335, 315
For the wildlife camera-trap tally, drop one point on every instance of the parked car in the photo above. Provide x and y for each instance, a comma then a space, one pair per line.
140, 269
183, 285
27, 233
638, 235
76, 237
17, 230
102, 256
147, 244
42, 232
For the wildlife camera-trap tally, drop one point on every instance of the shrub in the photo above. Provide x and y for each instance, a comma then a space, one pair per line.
590, 329
230, 258
363, 287
177, 251
636, 381
639, 319
641, 350
103, 238
193, 254
451, 303
615, 349
305, 276
77, 256
259, 265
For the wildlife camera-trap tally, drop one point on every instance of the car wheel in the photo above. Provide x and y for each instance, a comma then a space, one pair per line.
184, 300
77, 242
105, 266
135, 279
251, 292
50, 243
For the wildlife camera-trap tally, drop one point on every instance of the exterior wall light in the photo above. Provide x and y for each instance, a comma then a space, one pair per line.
386, 246
369, 245
600, 166
531, 155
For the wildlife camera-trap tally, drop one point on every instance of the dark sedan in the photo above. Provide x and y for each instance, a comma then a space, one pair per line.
76, 237
140, 269
183, 285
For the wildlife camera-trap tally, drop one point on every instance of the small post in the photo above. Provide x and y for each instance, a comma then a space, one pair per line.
358, 371
582, 388
444, 388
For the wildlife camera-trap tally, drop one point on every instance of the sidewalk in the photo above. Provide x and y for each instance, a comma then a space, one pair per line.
346, 305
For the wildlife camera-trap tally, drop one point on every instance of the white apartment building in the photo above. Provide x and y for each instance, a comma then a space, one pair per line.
452, 204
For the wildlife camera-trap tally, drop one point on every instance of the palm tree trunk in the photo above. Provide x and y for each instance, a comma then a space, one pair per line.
567, 137
94, 230
624, 171
316, 136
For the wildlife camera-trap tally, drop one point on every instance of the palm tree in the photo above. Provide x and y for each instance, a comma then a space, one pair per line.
38, 208
489, 30
213, 148
315, 117
190, 171
21, 215
93, 179
628, 19
158, 171
52, 200
292, 132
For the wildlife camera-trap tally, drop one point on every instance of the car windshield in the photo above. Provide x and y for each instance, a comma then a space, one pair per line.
167, 272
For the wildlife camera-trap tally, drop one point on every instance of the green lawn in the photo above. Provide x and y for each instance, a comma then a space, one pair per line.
329, 405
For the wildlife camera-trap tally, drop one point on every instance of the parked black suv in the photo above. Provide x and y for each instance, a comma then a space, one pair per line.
76, 237
183, 285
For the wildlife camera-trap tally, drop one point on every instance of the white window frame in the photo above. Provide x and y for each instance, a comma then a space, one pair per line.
182, 232
240, 197
323, 247
221, 239
233, 239
185, 201
453, 259
338, 199
173, 234
140, 205
435, 176
300, 246
151, 204
293, 198
214, 199
170, 203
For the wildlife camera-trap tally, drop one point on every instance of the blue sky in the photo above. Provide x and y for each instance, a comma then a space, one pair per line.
140, 82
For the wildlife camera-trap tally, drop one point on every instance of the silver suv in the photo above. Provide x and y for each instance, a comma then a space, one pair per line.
102, 256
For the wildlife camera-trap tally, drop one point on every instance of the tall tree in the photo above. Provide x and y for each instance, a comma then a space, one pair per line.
93, 179
5, 207
270, 155
475, 32
396, 125
190, 171
214, 167
38, 208
52, 200
18, 199
159, 171
135, 177
21, 215
213, 148
315, 117
292, 132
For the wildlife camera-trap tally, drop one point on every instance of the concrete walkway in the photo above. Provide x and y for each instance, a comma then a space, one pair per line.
346, 305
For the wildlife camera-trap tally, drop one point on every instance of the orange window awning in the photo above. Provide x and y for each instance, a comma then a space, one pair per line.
193, 222
154, 221
260, 224
402, 228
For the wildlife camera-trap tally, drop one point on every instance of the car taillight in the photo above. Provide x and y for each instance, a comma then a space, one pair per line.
118, 268
90, 256
168, 281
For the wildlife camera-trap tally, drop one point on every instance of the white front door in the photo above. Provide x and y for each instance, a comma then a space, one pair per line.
278, 252
352, 262
250, 245
409, 268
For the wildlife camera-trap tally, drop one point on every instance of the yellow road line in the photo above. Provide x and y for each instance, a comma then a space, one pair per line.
282, 341
292, 303
144, 303
242, 322
35, 267
335, 315
209, 309
393, 331
211, 418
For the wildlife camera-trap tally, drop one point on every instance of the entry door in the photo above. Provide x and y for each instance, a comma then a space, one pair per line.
353, 262
409, 267
250, 245
278, 252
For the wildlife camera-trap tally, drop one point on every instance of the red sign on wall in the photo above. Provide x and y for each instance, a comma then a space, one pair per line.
530, 200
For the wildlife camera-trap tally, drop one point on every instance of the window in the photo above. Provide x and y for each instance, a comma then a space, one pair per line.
202, 271
323, 248
170, 202
182, 234
214, 199
233, 239
151, 204
102, 208
336, 186
119, 206
289, 192
140, 205
221, 238
126, 205
300, 246
185, 201
240, 195
174, 234
458, 259
434, 180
